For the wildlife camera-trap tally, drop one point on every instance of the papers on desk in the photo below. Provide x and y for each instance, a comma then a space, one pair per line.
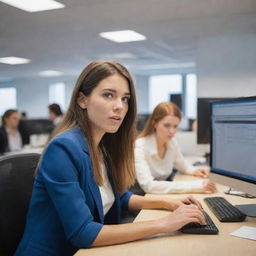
245, 232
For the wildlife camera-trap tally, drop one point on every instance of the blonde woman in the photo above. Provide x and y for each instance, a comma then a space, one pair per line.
157, 153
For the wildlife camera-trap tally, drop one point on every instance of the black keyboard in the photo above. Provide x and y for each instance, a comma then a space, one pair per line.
196, 228
224, 210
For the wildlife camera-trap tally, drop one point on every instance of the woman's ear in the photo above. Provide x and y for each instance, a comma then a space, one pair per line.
82, 100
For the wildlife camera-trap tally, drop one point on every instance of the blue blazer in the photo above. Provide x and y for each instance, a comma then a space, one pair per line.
66, 212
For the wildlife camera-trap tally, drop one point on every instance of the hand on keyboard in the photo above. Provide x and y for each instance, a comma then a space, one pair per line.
180, 217
196, 228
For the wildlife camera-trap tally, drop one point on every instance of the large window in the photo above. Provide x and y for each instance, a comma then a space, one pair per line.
180, 89
57, 94
7, 99
162, 87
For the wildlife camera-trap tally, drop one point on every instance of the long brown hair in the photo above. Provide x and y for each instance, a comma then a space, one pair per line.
160, 111
118, 147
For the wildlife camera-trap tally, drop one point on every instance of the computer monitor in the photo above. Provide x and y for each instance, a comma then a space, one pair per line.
28, 127
176, 99
204, 119
233, 146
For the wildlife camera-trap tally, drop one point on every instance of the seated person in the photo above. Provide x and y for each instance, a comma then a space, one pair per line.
10, 138
80, 189
55, 114
157, 153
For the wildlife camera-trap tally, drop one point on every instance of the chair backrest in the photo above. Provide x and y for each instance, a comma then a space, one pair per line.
16, 182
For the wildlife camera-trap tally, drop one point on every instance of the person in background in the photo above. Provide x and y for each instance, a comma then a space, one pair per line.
157, 153
80, 189
55, 114
10, 138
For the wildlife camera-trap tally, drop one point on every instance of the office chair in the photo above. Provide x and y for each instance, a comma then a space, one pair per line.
16, 182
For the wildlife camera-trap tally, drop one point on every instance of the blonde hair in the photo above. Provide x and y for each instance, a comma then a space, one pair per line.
160, 111
117, 147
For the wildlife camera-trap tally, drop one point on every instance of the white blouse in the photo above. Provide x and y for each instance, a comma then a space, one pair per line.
152, 171
14, 141
106, 192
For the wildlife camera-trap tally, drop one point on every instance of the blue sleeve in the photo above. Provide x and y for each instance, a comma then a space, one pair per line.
125, 197
59, 170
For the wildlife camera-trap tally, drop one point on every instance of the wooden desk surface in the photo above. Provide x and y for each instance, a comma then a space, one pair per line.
181, 244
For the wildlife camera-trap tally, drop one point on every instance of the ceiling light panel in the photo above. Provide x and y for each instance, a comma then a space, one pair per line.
49, 73
14, 60
34, 5
123, 36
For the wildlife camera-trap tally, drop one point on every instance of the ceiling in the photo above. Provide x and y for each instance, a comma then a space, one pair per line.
68, 39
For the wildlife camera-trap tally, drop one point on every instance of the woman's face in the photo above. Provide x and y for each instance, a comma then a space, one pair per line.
166, 128
13, 120
107, 105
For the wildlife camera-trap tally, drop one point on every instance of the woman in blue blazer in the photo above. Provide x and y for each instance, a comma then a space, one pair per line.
80, 187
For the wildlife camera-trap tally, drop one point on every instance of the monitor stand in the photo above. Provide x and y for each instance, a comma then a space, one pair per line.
248, 209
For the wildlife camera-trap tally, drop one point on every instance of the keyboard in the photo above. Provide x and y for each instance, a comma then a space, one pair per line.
224, 210
196, 228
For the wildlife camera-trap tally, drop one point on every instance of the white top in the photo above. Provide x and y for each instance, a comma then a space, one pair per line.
152, 171
14, 141
106, 192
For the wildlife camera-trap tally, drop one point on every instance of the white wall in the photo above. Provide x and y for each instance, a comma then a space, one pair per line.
226, 66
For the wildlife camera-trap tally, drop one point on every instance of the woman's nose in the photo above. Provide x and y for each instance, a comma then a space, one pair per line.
118, 104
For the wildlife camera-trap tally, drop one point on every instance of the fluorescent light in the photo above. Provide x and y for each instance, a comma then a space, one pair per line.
34, 5
123, 36
50, 73
14, 60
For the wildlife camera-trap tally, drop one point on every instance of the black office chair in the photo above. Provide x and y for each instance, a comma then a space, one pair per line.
16, 182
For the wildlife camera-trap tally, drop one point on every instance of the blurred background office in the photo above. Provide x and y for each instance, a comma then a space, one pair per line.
184, 51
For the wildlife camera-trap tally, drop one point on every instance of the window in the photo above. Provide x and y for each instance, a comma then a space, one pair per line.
7, 99
161, 87
191, 96
57, 94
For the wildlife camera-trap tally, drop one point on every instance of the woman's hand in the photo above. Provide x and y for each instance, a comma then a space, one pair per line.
202, 172
209, 186
182, 216
173, 204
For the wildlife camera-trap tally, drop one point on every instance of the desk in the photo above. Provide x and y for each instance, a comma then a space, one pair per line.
181, 244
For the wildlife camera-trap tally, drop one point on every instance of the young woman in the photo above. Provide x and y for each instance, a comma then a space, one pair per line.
10, 138
157, 152
80, 186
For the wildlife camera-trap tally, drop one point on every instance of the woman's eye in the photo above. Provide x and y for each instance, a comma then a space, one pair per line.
167, 126
126, 99
108, 95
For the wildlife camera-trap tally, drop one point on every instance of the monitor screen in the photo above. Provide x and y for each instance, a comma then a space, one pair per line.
233, 144
204, 119
28, 127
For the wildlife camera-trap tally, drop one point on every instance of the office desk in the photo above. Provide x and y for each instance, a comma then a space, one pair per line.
181, 244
